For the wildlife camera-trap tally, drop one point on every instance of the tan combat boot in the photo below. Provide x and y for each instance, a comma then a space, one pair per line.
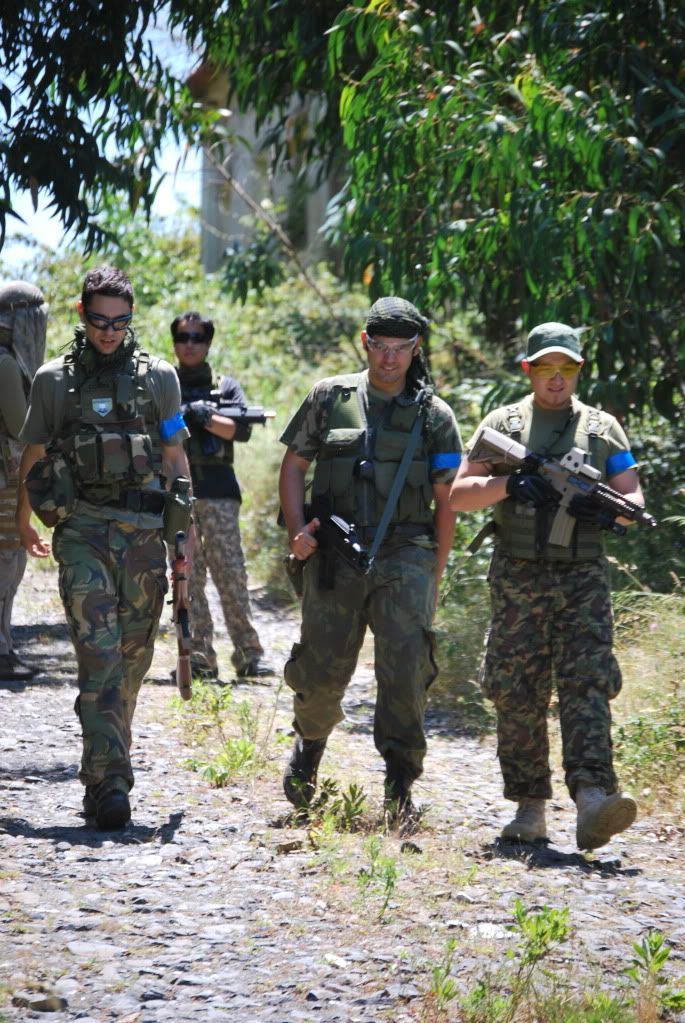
529, 822
601, 816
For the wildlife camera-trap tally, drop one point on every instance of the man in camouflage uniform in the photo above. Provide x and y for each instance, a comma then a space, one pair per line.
104, 421
356, 428
551, 606
23, 325
217, 504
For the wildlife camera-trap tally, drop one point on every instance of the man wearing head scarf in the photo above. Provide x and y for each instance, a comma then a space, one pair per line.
551, 605
23, 326
356, 428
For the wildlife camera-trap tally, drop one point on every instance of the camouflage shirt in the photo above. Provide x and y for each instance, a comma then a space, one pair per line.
304, 432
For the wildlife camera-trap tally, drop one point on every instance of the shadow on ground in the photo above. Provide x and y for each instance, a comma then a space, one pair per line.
87, 835
541, 854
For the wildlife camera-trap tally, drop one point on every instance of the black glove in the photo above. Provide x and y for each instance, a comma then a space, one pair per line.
584, 508
531, 489
198, 413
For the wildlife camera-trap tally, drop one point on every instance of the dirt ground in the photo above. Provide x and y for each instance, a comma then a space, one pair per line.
214, 906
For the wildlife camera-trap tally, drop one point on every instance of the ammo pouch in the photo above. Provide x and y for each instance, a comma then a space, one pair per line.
111, 457
178, 506
50, 488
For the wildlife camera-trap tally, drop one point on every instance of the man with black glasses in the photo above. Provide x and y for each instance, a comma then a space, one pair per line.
103, 427
385, 450
216, 507
551, 605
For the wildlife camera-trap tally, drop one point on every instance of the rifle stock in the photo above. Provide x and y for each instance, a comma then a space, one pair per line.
570, 477
181, 616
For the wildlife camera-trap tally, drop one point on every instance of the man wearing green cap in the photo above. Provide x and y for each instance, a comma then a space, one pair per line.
356, 428
551, 606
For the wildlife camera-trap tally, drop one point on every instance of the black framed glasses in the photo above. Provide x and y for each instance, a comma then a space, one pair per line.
186, 338
117, 323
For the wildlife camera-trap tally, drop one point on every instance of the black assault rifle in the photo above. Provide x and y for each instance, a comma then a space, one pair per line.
339, 536
247, 414
570, 477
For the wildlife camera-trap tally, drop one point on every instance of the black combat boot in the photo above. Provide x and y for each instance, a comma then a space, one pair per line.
299, 777
112, 808
399, 777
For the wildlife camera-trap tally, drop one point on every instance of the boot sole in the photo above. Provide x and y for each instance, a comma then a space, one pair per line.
616, 813
521, 835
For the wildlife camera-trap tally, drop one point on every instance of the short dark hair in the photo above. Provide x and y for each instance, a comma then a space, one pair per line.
106, 280
206, 324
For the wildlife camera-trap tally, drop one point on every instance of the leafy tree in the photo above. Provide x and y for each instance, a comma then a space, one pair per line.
87, 104
529, 161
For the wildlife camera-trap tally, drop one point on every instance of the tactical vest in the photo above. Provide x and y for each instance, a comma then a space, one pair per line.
356, 464
110, 433
515, 522
205, 449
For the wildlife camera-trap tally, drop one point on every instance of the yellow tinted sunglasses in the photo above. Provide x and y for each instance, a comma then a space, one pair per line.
546, 370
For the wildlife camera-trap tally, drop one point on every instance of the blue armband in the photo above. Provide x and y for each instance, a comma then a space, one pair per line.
617, 463
446, 460
168, 427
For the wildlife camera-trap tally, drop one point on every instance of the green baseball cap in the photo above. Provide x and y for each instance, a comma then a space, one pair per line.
553, 337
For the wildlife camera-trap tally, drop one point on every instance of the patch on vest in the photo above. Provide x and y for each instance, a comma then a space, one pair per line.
103, 406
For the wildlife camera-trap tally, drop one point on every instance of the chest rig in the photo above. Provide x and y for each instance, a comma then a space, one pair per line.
520, 529
358, 460
205, 449
110, 434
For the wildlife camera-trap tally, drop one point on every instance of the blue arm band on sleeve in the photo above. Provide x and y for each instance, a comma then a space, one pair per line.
168, 427
617, 463
451, 460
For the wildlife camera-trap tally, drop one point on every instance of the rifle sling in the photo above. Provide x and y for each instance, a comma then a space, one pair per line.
400, 477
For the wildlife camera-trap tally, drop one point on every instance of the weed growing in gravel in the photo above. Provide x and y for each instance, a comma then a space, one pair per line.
530, 992
646, 972
211, 714
381, 875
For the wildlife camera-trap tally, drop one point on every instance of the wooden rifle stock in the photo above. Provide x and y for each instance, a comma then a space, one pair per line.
181, 616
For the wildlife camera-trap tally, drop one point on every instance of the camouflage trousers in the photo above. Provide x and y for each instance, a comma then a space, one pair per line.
551, 624
396, 601
112, 579
218, 549
12, 567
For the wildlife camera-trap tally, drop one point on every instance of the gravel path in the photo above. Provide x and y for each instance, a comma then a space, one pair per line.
213, 906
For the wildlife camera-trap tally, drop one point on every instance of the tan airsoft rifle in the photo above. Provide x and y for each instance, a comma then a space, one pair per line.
570, 477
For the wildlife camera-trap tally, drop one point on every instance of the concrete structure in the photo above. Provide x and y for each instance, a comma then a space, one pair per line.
226, 217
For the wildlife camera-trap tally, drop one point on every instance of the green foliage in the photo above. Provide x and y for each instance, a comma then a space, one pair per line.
381, 875
650, 748
252, 267
88, 103
646, 968
443, 987
235, 757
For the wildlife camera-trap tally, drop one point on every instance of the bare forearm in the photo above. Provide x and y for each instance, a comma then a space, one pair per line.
291, 491
29, 457
471, 493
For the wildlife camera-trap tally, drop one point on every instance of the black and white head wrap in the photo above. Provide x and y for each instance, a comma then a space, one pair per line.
395, 317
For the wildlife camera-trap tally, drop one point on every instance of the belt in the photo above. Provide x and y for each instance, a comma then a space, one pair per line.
150, 501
